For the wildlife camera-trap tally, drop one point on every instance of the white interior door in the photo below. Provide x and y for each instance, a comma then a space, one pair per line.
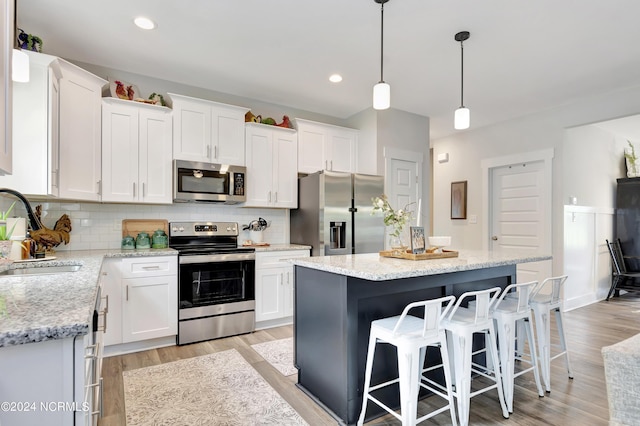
520, 214
402, 188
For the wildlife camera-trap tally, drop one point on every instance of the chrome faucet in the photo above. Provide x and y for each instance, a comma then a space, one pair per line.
34, 223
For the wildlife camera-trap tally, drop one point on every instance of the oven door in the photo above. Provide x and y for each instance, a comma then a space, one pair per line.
208, 281
196, 181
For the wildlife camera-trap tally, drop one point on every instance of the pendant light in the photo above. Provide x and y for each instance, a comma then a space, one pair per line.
19, 59
461, 120
382, 90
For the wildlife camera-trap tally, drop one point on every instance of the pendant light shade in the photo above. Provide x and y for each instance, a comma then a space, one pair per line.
382, 90
462, 116
20, 66
381, 96
461, 120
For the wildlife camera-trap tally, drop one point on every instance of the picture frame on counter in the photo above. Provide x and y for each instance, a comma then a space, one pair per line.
417, 239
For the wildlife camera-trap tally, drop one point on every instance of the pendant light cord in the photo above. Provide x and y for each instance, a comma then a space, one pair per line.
381, 41
461, 74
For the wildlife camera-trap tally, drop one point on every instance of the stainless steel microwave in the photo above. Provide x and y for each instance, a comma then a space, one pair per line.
195, 181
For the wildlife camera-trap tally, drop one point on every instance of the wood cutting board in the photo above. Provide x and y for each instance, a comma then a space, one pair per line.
134, 226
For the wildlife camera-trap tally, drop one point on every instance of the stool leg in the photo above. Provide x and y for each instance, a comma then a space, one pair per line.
563, 340
543, 331
528, 326
498, 376
507, 343
462, 370
446, 366
367, 377
409, 375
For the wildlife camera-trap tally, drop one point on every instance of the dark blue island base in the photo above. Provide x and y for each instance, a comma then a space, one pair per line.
333, 314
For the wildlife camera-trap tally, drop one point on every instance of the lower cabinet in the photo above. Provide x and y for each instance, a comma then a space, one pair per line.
274, 287
143, 302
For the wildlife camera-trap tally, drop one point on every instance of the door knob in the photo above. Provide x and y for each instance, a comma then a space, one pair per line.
494, 238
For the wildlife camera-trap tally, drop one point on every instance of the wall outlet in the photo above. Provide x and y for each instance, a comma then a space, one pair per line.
473, 219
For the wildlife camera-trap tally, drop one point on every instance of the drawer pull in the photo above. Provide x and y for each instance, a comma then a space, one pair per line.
151, 268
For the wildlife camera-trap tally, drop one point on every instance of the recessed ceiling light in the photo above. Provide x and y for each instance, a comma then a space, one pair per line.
335, 78
144, 23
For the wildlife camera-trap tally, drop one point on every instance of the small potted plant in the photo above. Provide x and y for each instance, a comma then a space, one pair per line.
5, 236
29, 41
633, 165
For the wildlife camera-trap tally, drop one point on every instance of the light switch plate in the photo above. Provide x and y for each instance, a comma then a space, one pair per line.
473, 218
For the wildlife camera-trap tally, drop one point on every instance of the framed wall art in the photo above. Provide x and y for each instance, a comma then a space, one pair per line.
459, 200
417, 239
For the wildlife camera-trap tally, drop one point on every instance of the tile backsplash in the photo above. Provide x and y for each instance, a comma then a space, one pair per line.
99, 226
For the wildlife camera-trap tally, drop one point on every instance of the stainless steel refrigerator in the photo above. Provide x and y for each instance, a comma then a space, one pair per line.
334, 213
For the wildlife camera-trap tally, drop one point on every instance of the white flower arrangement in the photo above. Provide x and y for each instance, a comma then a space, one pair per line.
396, 218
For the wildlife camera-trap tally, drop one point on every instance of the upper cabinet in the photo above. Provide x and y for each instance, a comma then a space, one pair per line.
6, 52
272, 173
56, 131
208, 131
136, 152
35, 124
325, 147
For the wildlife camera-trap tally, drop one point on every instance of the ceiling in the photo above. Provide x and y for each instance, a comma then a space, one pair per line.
522, 56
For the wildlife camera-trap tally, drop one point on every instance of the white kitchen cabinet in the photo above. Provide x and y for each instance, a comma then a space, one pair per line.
143, 302
56, 130
37, 377
35, 129
208, 131
326, 147
6, 52
80, 118
136, 152
274, 287
272, 173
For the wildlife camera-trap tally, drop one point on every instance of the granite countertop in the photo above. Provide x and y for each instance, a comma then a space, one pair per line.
282, 247
36, 308
373, 267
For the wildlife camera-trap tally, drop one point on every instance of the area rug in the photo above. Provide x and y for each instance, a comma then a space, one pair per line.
216, 389
278, 353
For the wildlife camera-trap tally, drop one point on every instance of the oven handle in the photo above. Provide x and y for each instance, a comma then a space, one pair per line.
210, 258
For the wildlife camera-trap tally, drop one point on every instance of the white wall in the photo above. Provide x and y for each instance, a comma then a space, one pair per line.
546, 129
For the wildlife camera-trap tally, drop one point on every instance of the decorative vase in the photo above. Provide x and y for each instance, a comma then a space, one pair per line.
398, 247
633, 168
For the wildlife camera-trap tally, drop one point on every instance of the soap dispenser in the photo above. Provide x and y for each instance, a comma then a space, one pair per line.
28, 247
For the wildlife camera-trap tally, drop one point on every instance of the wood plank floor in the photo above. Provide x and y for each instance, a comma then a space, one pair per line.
581, 401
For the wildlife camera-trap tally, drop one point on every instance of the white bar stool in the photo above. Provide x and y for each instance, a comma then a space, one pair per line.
512, 312
543, 304
461, 323
411, 336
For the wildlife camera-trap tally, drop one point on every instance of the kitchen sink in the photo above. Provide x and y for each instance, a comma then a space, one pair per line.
42, 270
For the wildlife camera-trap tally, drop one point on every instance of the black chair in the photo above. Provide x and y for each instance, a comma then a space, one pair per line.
620, 272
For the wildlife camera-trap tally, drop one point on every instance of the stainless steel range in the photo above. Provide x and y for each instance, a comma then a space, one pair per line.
216, 281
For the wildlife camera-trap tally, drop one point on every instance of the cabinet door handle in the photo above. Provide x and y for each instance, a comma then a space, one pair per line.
208, 151
276, 197
215, 152
144, 190
99, 187
106, 298
127, 290
331, 164
134, 189
269, 196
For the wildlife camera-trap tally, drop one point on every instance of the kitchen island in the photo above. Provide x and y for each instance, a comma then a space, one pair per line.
337, 297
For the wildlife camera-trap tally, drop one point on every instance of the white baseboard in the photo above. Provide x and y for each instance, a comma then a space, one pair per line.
144, 345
